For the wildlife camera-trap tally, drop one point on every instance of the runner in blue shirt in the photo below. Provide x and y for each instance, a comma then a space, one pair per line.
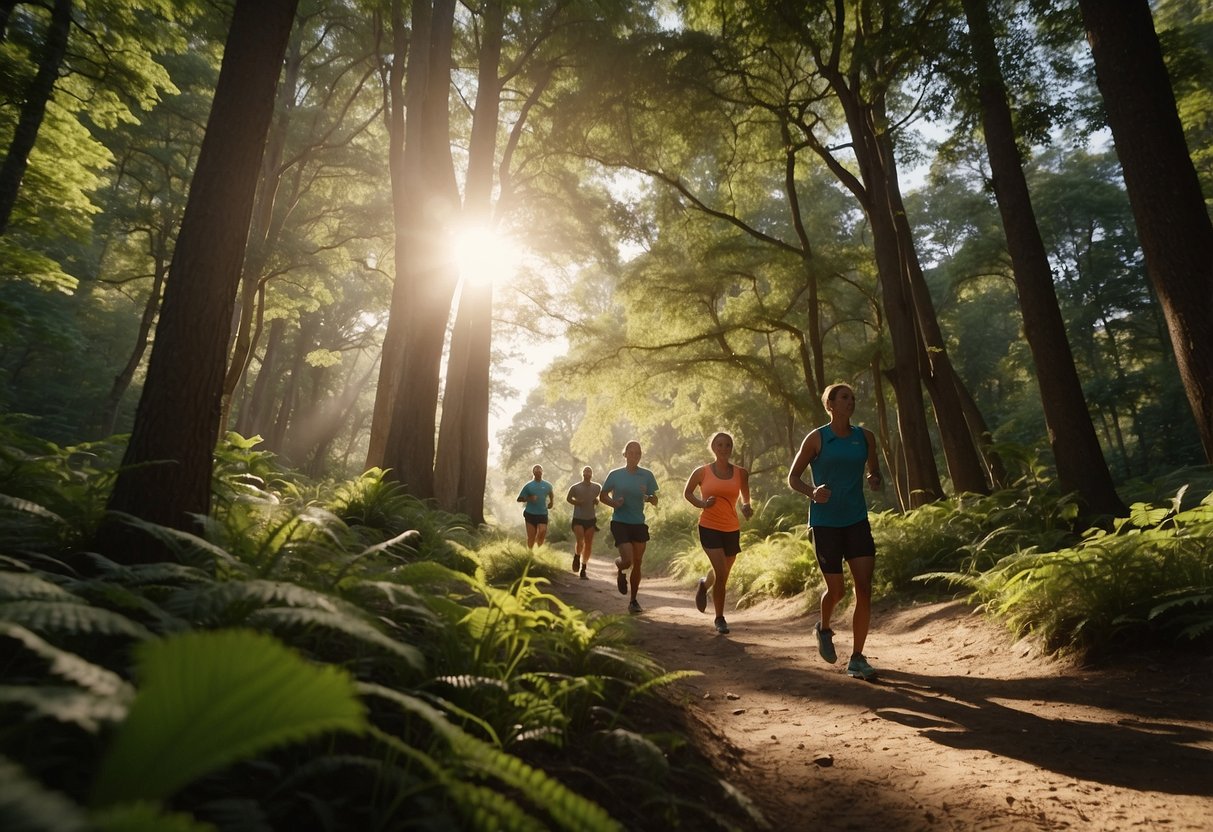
626, 490
835, 456
537, 496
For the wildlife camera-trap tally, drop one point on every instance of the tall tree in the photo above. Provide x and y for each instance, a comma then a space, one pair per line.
425, 197
166, 474
1172, 220
1081, 466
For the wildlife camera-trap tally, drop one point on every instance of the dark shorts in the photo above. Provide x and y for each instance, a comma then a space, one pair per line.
833, 544
716, 539
585, 524
629, 533
535, 519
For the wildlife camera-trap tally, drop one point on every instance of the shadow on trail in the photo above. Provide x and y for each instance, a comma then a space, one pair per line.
1134, 738
968, 713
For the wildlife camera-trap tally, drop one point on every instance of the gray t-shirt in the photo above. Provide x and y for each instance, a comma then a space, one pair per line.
585, 493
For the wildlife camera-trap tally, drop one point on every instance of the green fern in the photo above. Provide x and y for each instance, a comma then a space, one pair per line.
207, 700
27, 805
282, 620
145, 817
24, 586
63, 704
71, 619
70, 667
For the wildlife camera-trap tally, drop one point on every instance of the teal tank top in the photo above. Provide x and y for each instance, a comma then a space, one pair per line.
840, 466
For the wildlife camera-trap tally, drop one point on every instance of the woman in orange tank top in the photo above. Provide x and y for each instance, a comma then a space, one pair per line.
719, 484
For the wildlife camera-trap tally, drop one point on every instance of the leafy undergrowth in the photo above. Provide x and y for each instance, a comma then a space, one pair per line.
319, 657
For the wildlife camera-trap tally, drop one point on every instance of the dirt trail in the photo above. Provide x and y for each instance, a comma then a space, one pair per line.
963, 730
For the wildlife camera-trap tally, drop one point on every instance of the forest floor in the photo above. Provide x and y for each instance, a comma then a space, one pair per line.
964, 729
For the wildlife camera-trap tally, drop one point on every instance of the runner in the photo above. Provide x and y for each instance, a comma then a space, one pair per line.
537, 495
835, 456
626, 490
584, 496
719, 483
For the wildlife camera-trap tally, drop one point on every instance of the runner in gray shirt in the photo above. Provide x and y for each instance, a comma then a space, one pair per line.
584, 496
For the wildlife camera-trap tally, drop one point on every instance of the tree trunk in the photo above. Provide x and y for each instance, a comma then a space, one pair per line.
253, 420
1164, 190
463, 439
33, 108
122, 381
166, 472
1081, 466
425, 199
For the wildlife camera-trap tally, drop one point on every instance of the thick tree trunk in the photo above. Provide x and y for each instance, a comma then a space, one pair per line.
461, 464
166, 472
426, 200
1081, 466
33, 108
1164, 190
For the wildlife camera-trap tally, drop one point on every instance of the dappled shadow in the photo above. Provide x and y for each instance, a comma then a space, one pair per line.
1126, 727
1112, 747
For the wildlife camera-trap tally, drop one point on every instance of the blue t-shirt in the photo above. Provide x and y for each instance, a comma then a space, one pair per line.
631, 487
840, 466
541, 490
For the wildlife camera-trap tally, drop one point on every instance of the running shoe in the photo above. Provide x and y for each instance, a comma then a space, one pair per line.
576, 562
622, 582
701, 595
634, 607
584, 576
859, 668
825, 643
722, 626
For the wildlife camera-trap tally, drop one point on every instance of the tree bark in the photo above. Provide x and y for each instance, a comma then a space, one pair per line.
426, 199
1164, 190
1081, 467
166, 472
33, 108
463, 438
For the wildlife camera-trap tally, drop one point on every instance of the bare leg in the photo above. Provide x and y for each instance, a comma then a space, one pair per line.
637, 558
530, 535
718, 577
541, 533
588, 546
624, 561
830, 598
861, 571
579, 534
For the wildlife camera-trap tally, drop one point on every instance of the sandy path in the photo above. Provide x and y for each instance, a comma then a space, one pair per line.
964, 730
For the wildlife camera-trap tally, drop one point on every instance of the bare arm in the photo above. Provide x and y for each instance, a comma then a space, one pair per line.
693, 482
745, 493
875, 481
809, 450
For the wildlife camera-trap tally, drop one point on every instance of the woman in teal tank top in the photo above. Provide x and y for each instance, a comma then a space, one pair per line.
835, 456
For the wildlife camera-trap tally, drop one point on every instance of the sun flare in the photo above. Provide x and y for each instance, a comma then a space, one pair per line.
483, 255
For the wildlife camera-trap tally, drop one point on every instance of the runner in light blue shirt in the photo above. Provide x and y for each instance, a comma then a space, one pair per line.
626, 490
537, 497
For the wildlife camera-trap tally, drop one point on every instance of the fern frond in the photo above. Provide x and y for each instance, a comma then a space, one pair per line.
230, 601
146, 817
71, 618
69, 705
664, 679
285, 620
210, 699
27, 804
483, 808
188, 547
24, 586
93, 678
646, 758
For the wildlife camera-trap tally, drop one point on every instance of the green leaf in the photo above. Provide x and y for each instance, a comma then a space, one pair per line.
27, 806
146, 817
69, 666
283, 619
210, 699
71, 618
20, 586
61, 704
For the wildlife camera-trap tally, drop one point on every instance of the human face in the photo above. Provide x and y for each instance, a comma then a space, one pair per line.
537, 471
631, 453
843, 403
722, 445
587, 473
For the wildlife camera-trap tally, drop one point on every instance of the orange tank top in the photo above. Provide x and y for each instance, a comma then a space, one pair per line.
721, 515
